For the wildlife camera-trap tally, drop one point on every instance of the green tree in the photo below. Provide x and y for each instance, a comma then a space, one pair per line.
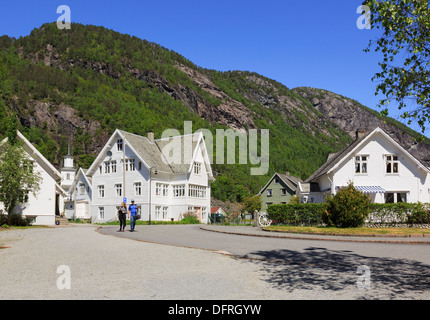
17, 176
405, 45
348, 208
251, 204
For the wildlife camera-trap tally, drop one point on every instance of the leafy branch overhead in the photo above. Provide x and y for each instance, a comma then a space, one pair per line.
404, 75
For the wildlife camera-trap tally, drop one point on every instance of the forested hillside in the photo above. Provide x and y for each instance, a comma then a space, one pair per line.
79, 85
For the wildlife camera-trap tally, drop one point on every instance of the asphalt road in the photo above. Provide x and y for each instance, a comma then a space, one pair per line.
395, 270
188, 263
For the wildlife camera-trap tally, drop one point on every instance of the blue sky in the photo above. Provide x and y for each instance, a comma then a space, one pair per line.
298, 43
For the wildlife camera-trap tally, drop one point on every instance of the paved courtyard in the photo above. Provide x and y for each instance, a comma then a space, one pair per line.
38, 262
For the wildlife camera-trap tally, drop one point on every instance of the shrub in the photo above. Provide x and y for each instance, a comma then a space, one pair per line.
300, 214
419, 216
349, 208
190, 220
16, 220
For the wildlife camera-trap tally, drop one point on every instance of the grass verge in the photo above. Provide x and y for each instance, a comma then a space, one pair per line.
350, 231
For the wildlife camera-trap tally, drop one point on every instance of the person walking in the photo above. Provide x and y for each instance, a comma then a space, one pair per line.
132, 212
122, 215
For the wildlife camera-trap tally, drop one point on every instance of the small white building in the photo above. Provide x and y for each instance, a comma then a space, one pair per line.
156, 174
49, 202
377, 165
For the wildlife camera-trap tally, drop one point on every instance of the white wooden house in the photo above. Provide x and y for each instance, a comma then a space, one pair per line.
133, 167
49, 201
77, 206
377, 165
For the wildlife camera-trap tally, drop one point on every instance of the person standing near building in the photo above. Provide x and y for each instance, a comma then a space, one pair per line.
122, 216
132, 212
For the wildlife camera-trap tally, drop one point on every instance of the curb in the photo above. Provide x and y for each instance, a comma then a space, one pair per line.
284, 236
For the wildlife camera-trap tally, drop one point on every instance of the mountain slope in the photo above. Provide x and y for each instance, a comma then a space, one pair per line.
79, 85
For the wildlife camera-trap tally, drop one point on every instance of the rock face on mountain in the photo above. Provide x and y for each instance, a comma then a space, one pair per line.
351, 116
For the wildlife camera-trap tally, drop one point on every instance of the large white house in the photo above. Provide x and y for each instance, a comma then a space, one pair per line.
158, 175
377, 165
49, 201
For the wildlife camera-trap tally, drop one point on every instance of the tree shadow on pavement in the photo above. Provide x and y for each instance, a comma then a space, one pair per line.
337, 270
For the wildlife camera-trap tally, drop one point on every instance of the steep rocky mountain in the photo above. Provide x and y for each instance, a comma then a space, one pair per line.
79, 85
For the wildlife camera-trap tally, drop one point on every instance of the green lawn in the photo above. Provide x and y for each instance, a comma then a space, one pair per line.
350, 231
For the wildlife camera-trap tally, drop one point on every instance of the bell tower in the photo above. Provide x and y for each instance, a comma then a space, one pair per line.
68, 170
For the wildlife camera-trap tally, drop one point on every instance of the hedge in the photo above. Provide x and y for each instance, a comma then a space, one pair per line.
399, 213
300, 214
309, 214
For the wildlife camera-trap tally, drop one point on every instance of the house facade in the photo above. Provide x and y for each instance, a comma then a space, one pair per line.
164, 185
377, 165
49, 201
278, 190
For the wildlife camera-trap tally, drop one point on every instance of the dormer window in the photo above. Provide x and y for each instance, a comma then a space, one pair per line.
361, 164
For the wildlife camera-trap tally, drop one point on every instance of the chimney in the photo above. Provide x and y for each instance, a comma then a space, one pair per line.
151, 136
287, 173
360, 133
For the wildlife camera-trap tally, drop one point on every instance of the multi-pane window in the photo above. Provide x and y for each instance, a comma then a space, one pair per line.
361, 164
165, 211
161, 189
118, 190
179, 190
197, 168
130, 164
395, 197
119, 144
101, 189
269, 192
107, 167
392, 164
195, 191
110, 166
157, 212
137, 188
204, 209
101, 212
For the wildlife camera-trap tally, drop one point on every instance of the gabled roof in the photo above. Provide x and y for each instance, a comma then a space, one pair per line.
291, 181
37, 156
152, 153
81, 172
334, 159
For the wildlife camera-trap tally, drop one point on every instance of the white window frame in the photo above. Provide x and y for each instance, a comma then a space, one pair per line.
196, 191
107, 167
362, 161
119, 144
157, 212
179, 190
101, 212
165, 212
130, 164
101, 189
161, 189
389, 160
137, 188
197, 168
118, 189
